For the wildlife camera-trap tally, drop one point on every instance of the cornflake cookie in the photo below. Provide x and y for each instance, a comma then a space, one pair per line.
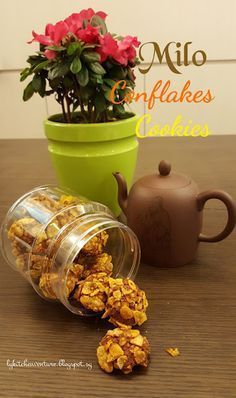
24, 230
46, 285
96, 244
37, 265
94, 264
22, 262
123, 348
92, 292
74, 273
46, 202
126, 303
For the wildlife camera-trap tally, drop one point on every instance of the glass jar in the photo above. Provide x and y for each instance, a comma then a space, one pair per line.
55, 239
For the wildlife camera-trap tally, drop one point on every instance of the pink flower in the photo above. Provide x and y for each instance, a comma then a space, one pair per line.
61, 29
89, 13
109, 46
101, 14
49, 29
74, 22
42, 39
50, 54
89, 35
128, 41
121, 51
53, 34
79, 24
126, 50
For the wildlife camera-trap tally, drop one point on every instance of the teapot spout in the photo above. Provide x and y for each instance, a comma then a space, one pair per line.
122, 191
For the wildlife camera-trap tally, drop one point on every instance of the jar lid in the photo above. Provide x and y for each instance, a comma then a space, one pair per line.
165, 179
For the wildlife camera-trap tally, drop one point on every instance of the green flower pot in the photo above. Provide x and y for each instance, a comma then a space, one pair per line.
84, 156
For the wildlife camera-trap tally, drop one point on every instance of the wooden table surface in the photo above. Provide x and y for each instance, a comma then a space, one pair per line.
192, 307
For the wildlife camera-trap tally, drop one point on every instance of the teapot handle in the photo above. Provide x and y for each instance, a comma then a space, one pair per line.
231, 208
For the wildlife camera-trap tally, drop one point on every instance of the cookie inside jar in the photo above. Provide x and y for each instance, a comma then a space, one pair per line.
57, 240
96, 249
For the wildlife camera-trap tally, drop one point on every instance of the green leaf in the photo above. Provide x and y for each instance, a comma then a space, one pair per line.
86, 92
119, 38
100, 102
54, 83
123, 93
91, 56
58, 71
36, 83
119, 109
109, 82
125, 115
56, 48
41, 65
99, 22
95, 79
76, 65
68, 82
28, 92
42, 91
117, 72
97, 68
108, 64
85, 46
73, 47
130, 83
83, 76
25, 73
35, 60
130, 74
107, 94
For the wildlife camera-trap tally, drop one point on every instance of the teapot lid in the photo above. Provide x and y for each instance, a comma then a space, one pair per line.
165, 179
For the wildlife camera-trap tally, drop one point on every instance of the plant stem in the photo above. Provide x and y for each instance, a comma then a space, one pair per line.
94, 115
68, 109
63, 110
80, 100
90, 108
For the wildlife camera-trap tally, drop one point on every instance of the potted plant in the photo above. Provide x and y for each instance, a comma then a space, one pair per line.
80, 62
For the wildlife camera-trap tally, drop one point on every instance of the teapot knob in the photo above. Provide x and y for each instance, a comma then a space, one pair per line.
164, 168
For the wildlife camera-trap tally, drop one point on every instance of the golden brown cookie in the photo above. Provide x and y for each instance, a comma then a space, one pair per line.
126, 303
123, 348
92, 292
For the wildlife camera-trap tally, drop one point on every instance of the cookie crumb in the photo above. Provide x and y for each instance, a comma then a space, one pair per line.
174, 352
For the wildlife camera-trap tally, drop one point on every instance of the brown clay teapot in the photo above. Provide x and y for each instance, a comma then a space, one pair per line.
165, 212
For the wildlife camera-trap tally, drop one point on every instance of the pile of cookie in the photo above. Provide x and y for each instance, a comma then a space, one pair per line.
87, 282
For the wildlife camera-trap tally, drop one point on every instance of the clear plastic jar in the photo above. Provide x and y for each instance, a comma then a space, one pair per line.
49, 235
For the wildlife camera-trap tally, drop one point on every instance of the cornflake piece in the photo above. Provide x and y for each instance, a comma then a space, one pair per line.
123, 348
37, 265
46, 285
18, 248
96, 244
67, 200
74, 274
126, 303
46, 202
92, 292
22, 261
94, 264
174, 352
24, 230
